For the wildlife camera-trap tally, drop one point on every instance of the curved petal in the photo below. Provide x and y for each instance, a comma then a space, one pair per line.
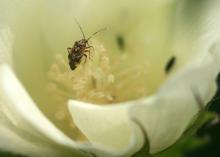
21, 121
12, 142
182, 96
108, 127
177, 103
145, 17
196, 28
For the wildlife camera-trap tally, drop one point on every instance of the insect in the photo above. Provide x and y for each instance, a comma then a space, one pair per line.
80, 49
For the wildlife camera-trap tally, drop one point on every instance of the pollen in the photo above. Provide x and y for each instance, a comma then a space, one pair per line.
90, 82
99, 80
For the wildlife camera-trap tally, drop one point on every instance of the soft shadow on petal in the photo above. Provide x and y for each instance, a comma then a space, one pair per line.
6, 42
107, 127
196, 28
177, 103
12, 142
179, 99
22, 119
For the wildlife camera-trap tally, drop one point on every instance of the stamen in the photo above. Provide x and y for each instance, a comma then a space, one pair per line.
97, 81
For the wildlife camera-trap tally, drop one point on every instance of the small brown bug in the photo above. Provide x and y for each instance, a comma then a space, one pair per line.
80, 49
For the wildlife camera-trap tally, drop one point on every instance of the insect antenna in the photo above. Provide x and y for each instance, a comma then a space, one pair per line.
103, 29
80, 28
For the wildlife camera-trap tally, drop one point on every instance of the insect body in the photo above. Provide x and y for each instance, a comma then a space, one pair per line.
79, 50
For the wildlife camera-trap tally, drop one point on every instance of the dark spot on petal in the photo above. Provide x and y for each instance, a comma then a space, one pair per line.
120, 41
169, 66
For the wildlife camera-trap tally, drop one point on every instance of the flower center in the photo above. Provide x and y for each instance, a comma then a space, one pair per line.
96, 80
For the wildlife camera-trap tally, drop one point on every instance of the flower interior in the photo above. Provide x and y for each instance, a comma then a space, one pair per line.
128, 61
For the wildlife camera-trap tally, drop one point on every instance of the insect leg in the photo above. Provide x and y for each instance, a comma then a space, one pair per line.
85, 58
88, 50
88, 47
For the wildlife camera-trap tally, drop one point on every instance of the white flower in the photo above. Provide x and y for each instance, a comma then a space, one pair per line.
153, 80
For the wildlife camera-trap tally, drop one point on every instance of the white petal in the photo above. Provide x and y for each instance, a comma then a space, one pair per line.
109, 127
21, 121
5, 46
179, 100
165, 116
196, 28
171, 110
129, 18
12, 142
177, 103
13, 13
